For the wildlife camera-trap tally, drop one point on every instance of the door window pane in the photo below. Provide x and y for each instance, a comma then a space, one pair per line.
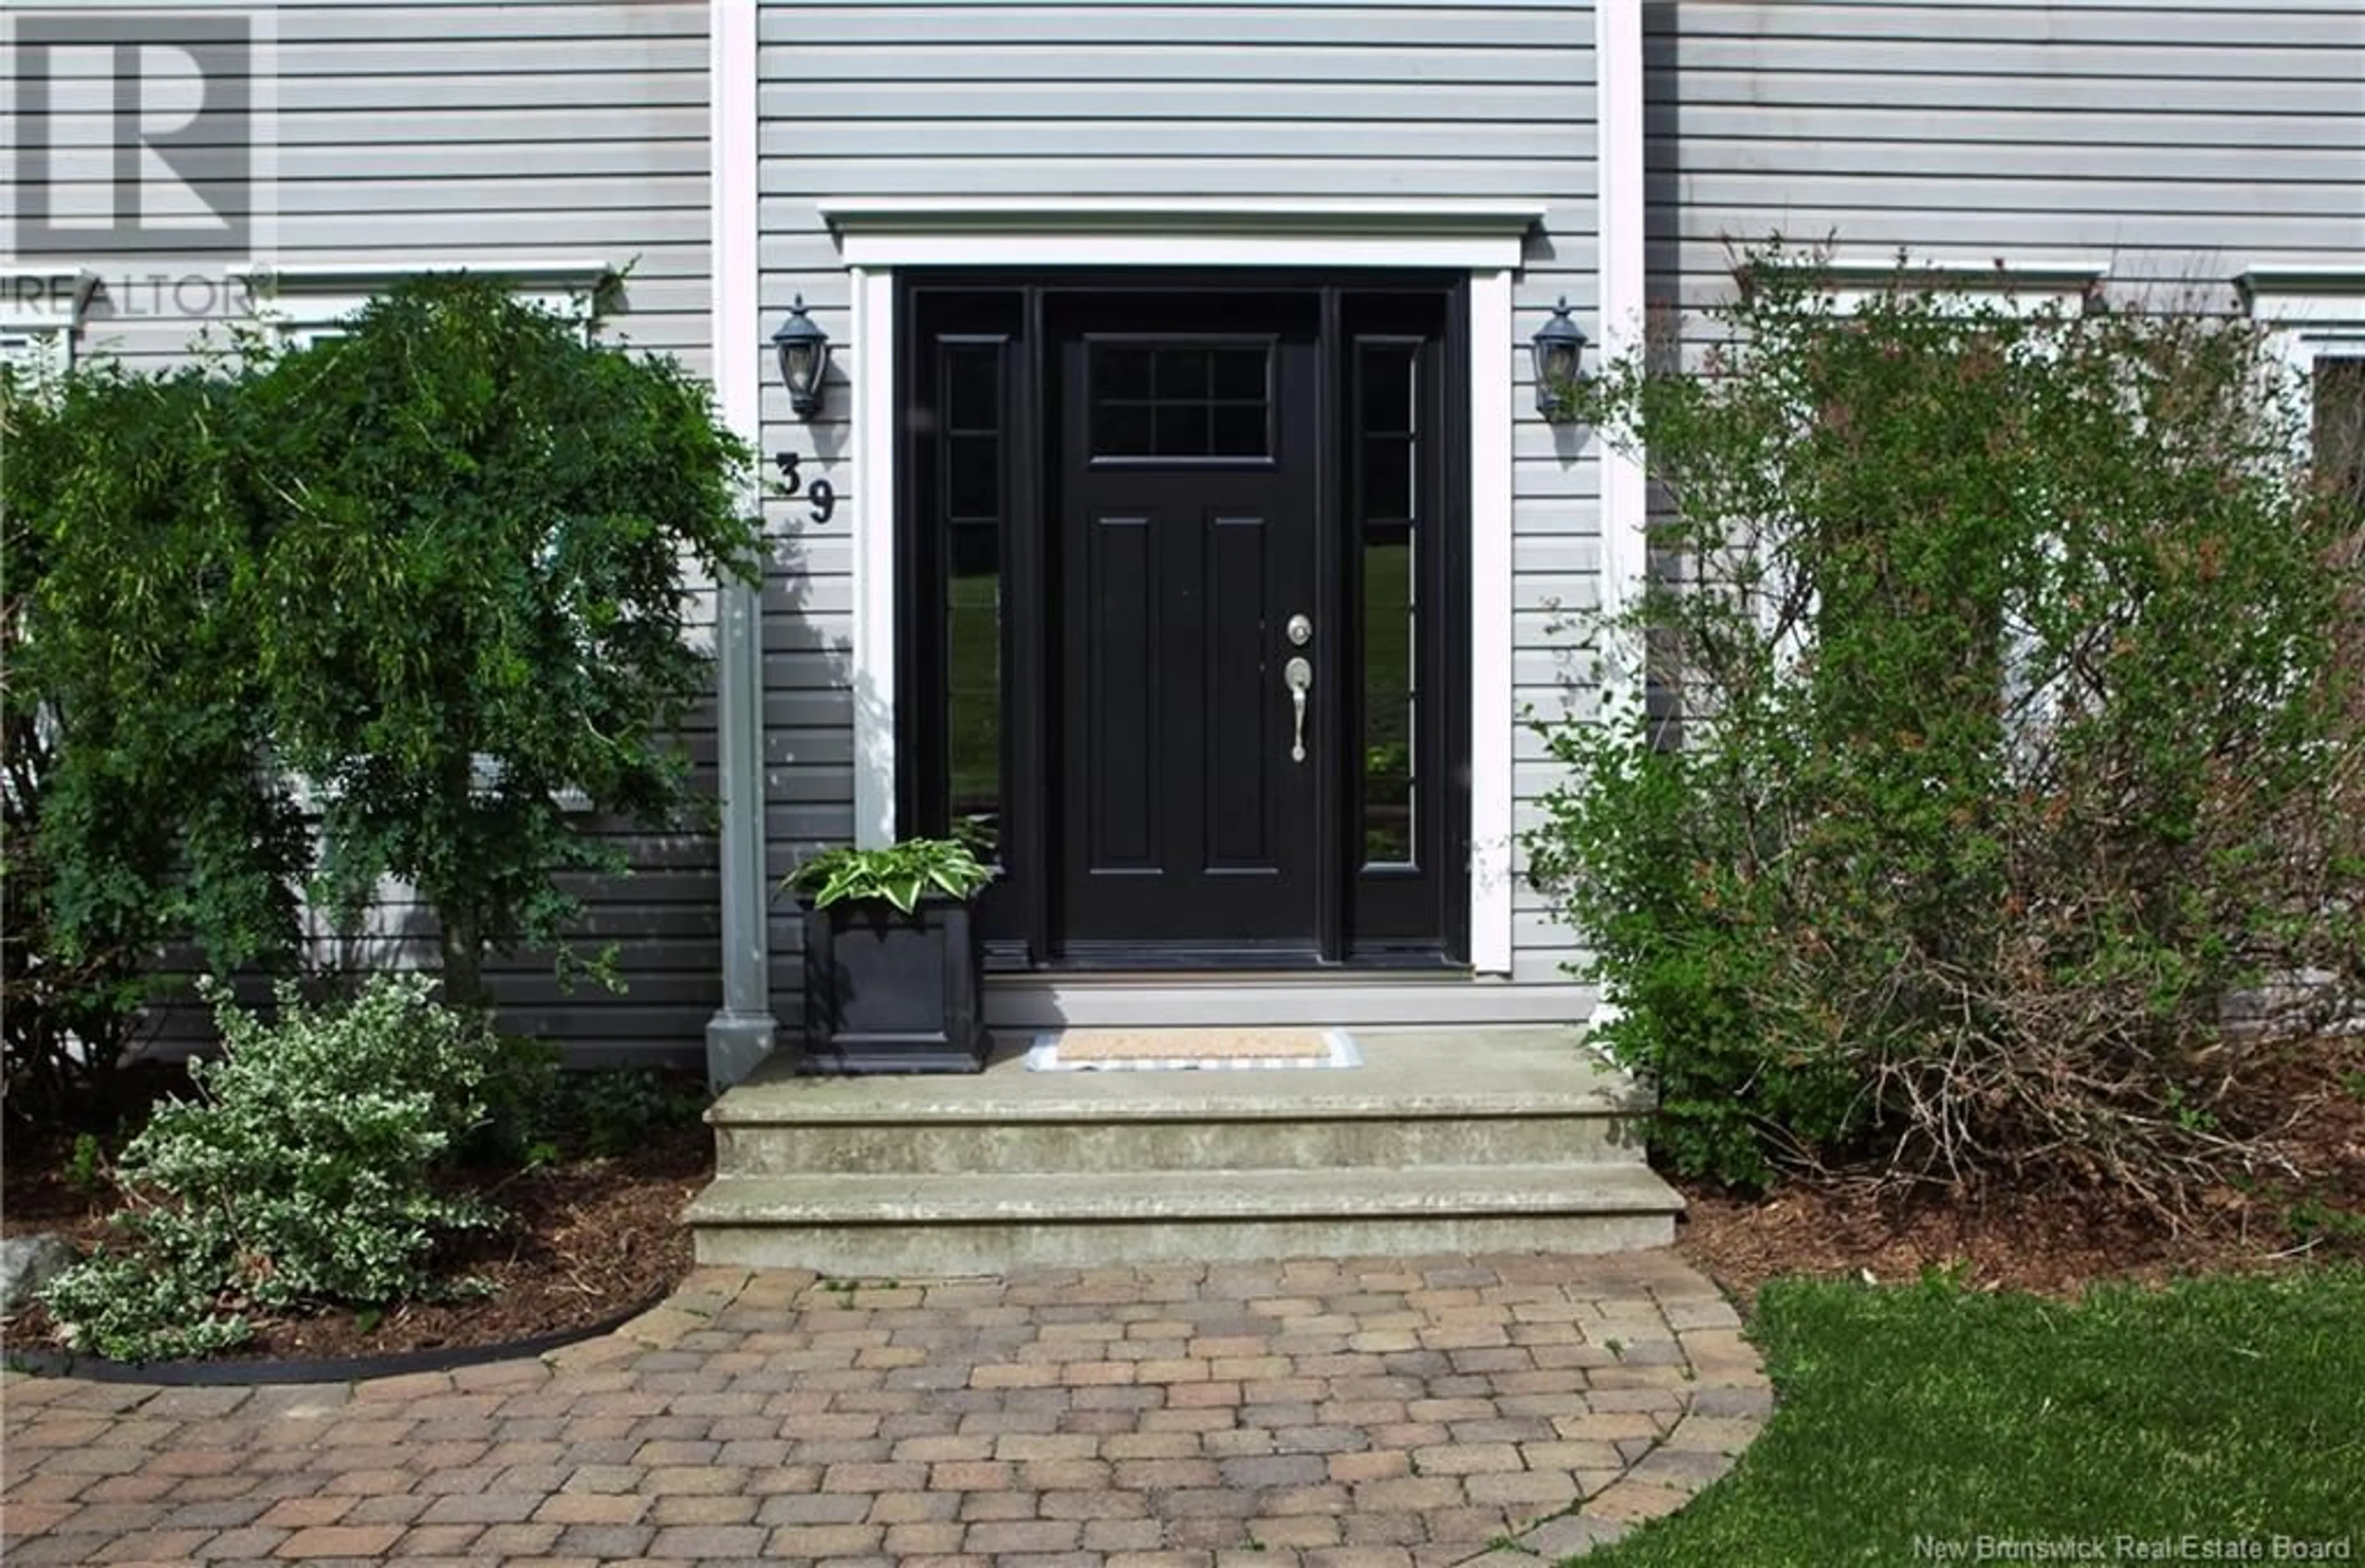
1183, 431
1180, 374
973, 505
1181, 400
1387, 483
1388, 695
973, 477
1240, 430
1387, 478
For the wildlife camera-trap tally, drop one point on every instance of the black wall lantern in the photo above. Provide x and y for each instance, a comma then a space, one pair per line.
803, 349
1559, 350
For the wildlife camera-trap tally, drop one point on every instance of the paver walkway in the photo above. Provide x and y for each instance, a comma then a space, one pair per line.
1357, 1414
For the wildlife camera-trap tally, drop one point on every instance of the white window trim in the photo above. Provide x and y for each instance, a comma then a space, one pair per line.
40, 311
1486, 239
2022, 287
306, 302
2311, 313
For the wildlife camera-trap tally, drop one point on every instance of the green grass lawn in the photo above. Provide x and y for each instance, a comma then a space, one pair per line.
2137, 1425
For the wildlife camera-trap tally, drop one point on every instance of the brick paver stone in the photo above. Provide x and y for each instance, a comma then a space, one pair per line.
1337, 1413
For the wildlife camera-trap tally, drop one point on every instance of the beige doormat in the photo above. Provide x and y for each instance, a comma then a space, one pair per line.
1174, 1050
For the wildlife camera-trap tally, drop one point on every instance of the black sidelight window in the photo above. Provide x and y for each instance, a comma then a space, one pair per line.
1405, 571
972, 488
1387, 439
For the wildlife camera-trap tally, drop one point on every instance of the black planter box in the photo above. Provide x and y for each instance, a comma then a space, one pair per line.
887, 992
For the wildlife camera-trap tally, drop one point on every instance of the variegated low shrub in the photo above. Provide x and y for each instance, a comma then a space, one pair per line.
309, 1171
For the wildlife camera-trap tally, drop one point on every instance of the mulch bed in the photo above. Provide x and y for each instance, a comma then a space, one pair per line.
2057, 1242
595, 1237
588, 1240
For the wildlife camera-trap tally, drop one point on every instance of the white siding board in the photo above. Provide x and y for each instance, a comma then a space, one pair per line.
1816, 51
491, 95
1431, 62
560, 196
1187, 98
560, 22
1964, 90
1220, 27
2038, 194
2079, 164
1527, 140
1701, 125
2329, 22
2201, 245
567, 157
459, 130
1080, 173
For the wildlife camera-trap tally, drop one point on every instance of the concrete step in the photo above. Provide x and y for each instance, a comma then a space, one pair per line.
1460, 1098
870, 1226
1039, 1143
1463, 1139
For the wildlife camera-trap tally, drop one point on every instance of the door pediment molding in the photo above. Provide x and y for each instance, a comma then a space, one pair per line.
1179, 231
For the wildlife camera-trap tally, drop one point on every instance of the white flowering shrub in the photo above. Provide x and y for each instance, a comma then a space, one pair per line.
306, 1172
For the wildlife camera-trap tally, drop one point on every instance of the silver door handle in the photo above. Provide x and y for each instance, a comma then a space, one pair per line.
1298, 675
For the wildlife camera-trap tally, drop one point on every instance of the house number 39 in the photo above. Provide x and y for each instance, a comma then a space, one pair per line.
820, 495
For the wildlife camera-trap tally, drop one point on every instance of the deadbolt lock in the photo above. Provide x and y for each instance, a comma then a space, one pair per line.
1300, 631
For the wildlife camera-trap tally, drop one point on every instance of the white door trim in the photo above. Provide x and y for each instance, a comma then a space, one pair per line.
877, 238
1491, 604
871, 445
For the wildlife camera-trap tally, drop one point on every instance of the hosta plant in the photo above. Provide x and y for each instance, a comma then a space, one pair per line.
898, 874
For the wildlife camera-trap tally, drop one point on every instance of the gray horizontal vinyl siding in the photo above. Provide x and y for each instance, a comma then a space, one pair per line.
453, 132
2175, 144
1398, 101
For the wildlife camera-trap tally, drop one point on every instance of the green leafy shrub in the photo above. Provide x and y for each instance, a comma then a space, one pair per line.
130, 720
478, 533
615, 1111
441, 569
309, 1171
2006, 718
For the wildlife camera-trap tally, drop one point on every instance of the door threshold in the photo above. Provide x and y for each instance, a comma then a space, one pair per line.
1328, 974
1019, 1005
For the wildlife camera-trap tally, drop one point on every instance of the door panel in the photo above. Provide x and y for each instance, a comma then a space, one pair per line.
1241, 771
1119, 734
1187, 538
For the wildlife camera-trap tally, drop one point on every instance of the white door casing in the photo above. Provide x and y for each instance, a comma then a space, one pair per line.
1484, 239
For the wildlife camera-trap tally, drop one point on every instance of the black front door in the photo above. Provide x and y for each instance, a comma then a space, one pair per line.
1186, 654
1117, 494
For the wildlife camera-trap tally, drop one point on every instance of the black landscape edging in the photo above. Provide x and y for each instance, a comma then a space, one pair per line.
341, 1369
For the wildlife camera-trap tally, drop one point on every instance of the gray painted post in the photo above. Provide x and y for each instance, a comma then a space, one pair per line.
740, 1035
